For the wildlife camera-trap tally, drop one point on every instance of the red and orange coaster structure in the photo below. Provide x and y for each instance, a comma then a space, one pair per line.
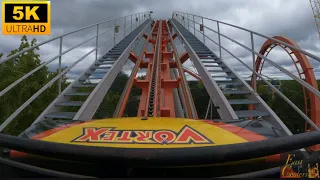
157, 86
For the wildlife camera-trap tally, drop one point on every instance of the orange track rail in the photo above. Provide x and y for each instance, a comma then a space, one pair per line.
160, 58
140, 64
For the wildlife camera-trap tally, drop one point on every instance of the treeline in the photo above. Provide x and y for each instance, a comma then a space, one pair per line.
290, 88
12, 70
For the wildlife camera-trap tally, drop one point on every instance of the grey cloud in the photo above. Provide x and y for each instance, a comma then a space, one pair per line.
270, 17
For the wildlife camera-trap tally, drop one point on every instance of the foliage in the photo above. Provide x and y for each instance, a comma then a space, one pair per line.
290, 88
11, 71
201, 99
290, 117
110, 101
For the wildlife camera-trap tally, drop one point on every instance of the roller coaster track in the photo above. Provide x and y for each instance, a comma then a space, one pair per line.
153, 45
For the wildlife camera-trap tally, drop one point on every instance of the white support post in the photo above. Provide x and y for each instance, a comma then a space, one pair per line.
60, 58
254, 77
204, 37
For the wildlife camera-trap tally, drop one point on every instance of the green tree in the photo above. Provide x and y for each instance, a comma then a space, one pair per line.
293, 91
108, 105
111, 99
11, 71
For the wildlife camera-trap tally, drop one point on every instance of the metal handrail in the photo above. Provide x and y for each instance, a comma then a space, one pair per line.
273, 87
34, 96
60, 74
8, 88
303, 83
58, 37
258, 34
316, 92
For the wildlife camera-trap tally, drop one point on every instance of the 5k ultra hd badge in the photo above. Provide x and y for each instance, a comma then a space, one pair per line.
26, 17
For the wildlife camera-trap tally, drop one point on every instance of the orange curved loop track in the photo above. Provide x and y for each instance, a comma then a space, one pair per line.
304, 72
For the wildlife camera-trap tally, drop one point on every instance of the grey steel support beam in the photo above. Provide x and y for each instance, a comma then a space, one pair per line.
225, 110
180, 103
180, 92
184, 79
60, 58
177, 104
208, 108
177, 101
254, 77
93, 102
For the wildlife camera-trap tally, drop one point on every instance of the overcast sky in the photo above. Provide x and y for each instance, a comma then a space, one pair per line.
293, 19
